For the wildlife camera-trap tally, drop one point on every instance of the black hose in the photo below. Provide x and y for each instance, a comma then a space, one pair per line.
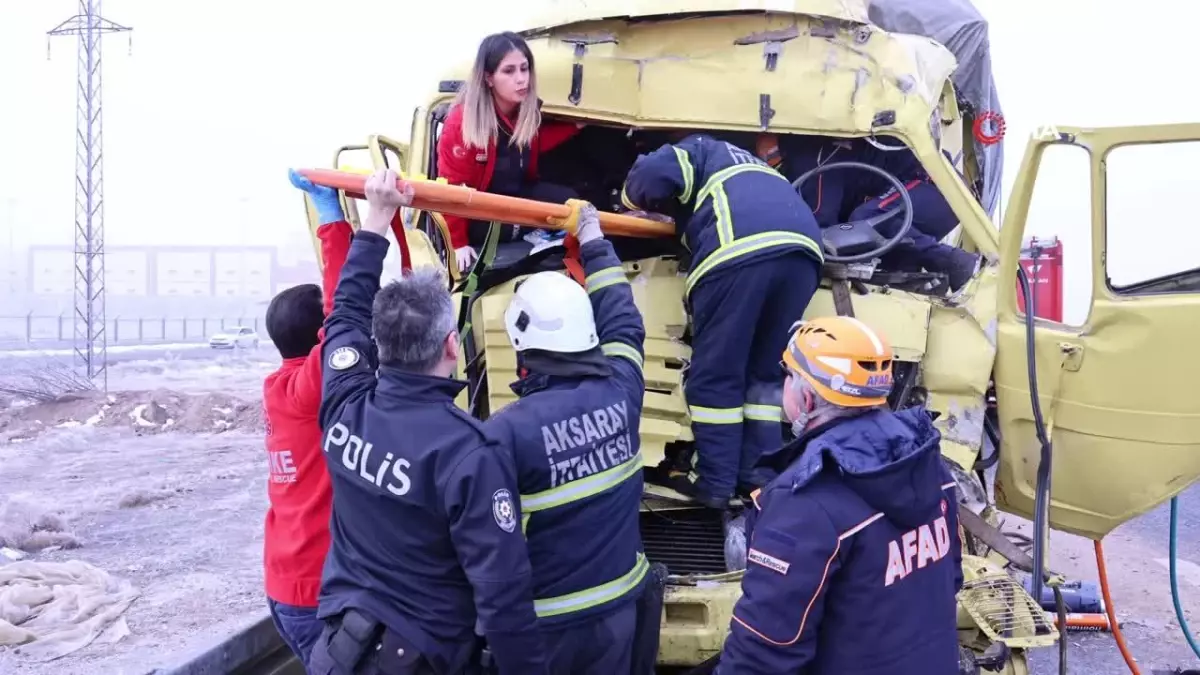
993, 434
1061, 606
1041, 508
1041, 502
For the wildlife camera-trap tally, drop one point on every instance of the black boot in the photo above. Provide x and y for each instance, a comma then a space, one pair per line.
961, 267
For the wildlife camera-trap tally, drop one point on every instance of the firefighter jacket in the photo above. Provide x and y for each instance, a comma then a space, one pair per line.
733, 208
575, 435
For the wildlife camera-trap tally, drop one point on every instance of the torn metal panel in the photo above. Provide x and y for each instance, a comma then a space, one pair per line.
653, 73
958, 367
562, 12
962, 422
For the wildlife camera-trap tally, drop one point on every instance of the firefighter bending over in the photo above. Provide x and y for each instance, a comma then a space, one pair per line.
574, 432
425, 539
755, 263
854, 558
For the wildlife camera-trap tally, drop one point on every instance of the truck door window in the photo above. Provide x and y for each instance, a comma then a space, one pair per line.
1152, 225
1061, 206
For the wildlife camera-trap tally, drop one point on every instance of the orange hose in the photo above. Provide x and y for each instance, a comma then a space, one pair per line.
1112, 612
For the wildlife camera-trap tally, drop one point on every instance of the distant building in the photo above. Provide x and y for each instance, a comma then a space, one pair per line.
250, 273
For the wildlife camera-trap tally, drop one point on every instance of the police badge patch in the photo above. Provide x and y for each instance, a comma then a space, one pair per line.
343, 358
504, 511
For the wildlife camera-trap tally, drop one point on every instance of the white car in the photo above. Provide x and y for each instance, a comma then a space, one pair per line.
238, 337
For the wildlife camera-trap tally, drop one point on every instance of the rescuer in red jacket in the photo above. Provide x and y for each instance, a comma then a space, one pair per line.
297, 526
493, 136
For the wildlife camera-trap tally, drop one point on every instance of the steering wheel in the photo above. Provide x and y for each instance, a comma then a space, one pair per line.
860, 233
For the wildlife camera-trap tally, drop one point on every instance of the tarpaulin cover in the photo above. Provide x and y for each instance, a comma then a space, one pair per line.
963, 30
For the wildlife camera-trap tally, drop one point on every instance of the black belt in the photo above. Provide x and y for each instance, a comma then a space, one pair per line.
354, 635
361, 645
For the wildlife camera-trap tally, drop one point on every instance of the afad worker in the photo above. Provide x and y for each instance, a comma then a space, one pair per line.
300, 499
854, 558
754, 266
493, 135
426, 539
574, 431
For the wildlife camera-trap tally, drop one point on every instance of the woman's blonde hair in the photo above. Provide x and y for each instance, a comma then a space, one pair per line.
480, 119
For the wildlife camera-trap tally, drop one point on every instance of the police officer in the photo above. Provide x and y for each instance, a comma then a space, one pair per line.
853, 561
848, 195
425, 528
754, 265
574, 432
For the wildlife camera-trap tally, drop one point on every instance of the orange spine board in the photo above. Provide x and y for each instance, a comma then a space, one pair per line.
465, 202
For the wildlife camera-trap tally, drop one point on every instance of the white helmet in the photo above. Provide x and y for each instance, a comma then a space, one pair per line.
550, 311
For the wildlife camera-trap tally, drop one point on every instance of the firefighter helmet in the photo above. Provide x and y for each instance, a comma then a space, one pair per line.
550, 311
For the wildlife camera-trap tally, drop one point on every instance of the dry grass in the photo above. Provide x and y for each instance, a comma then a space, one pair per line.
44, 382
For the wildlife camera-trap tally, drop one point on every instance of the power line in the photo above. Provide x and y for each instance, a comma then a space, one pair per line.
91, 337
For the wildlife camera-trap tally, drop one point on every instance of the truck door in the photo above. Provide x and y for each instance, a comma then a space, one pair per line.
1119, 410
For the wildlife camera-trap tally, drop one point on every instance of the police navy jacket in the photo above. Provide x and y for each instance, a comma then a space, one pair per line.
737, 209
425, 534
581, 506
854, 558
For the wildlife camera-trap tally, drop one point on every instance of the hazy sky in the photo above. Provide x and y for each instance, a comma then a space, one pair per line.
220, 97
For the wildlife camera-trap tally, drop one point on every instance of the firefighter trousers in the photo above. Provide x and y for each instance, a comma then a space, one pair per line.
733, 386
602, 646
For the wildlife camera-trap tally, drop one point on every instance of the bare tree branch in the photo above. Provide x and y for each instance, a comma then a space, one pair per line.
44, 382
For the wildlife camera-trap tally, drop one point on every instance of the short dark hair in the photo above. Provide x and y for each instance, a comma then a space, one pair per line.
411, 318
294, 318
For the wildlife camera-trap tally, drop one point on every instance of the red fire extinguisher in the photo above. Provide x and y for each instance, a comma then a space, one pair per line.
1042, 261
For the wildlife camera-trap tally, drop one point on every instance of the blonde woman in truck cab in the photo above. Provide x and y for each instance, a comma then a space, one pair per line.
493, 136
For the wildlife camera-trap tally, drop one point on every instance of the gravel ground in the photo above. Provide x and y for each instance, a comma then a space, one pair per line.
1136, 557
177, 512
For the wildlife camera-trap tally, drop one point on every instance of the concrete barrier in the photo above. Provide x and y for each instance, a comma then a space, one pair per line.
255, 650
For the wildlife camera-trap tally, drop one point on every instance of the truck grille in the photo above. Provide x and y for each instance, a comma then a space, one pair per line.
687, 541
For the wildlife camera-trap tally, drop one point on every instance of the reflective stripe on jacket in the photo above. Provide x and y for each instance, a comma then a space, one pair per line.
579, 469
735, 208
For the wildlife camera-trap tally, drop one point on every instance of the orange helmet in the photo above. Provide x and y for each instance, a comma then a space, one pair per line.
767, 149
845, 360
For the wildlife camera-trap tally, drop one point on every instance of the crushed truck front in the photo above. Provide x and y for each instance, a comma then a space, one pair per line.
793, 73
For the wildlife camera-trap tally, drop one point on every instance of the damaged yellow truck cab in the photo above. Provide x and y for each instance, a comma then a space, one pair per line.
822, 68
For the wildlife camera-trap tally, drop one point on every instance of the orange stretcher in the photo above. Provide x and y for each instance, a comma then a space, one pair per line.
466, 202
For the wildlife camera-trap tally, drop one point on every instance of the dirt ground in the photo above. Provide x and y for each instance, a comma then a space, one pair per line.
161, 483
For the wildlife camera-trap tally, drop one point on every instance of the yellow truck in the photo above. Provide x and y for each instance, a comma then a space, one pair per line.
1108, 400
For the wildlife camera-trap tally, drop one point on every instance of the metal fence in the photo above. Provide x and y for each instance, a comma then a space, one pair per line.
33, 330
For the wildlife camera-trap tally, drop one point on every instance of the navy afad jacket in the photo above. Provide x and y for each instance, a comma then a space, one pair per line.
578, 461
854, 558
731, 207
425, 531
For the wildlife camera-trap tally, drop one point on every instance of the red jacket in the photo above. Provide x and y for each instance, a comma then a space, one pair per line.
297, 528
461, 164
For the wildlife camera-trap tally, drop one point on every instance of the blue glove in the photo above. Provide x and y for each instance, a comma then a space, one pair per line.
329, 209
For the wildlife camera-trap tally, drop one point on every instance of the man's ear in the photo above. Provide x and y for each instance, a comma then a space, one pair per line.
450, 346
809, 399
